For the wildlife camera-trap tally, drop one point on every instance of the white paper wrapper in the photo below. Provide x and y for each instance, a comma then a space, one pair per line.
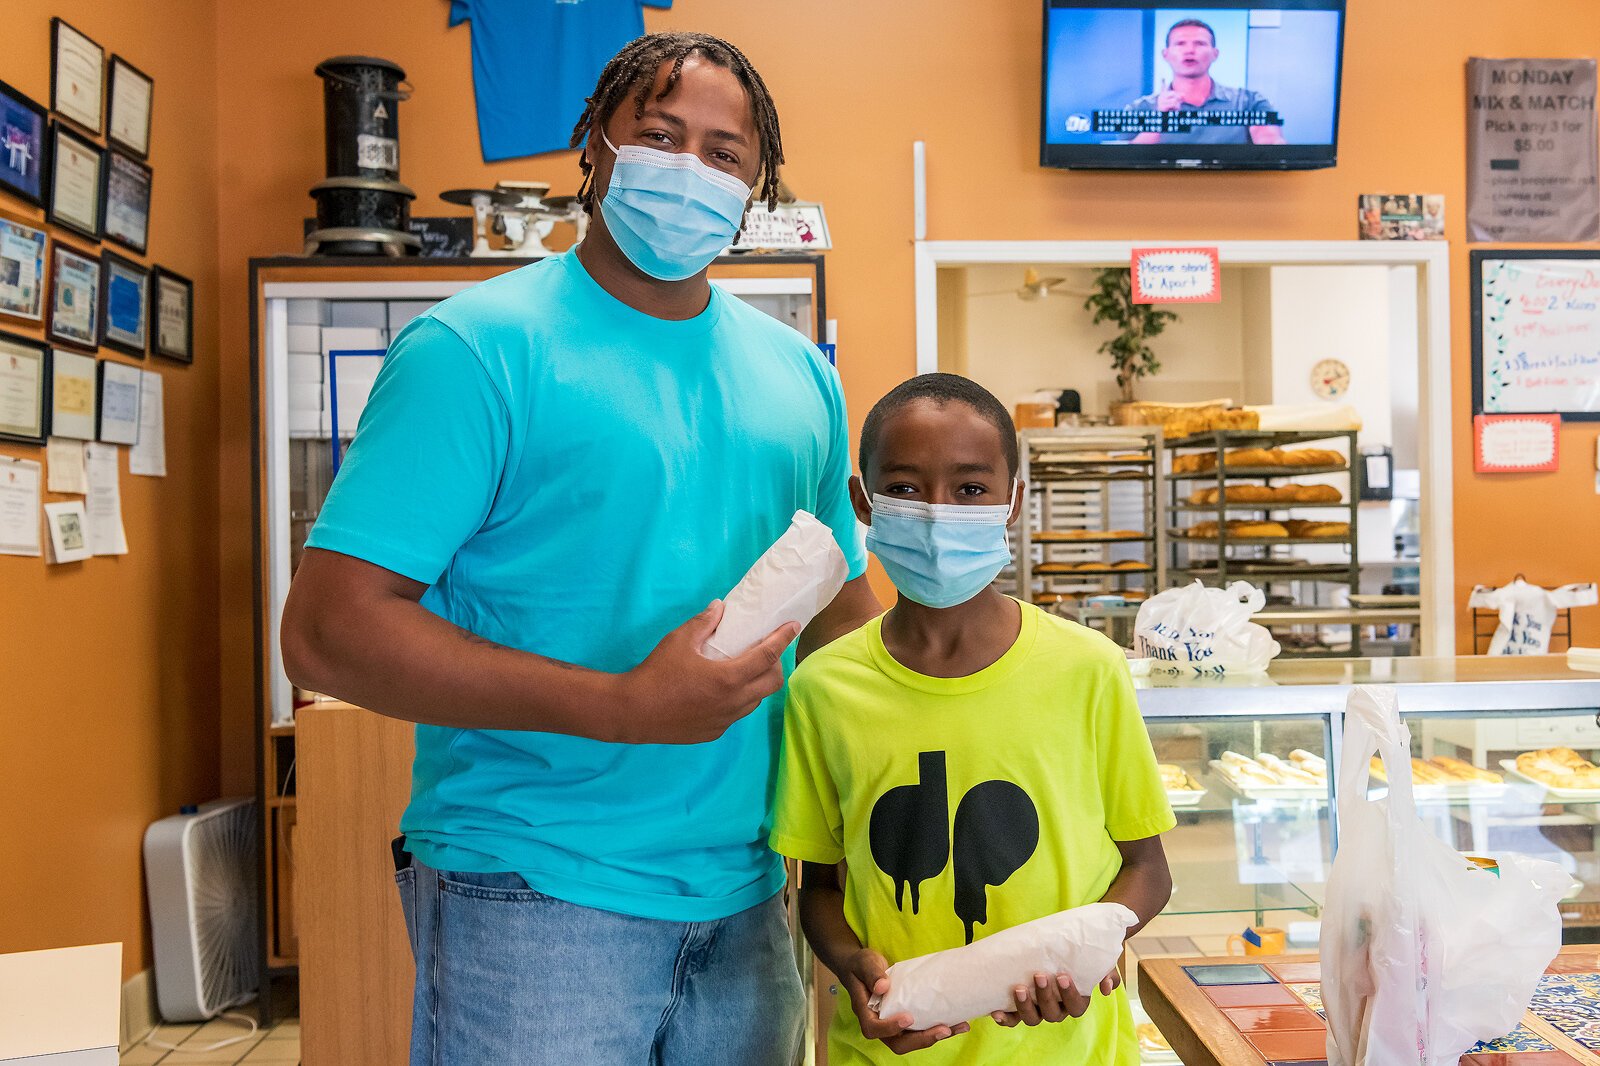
964, 983
792, 582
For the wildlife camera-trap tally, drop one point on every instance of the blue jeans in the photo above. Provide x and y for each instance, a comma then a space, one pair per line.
507, 976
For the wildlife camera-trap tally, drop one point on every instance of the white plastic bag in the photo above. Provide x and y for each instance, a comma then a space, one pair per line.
792, 582
1204, 631
960, 984
1423, 954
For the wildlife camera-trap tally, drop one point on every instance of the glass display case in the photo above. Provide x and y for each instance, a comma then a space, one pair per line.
1252, 768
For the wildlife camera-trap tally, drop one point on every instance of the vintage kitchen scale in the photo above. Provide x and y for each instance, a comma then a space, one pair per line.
519, 215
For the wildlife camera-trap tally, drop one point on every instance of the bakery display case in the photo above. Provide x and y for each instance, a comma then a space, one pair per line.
1092, 529
1277, 509
1503, 763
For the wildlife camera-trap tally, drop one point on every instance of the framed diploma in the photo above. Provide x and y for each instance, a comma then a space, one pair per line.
77, 76
74, 297
172, 313
22, 277
24, 147
124, 304
77, 170
119, 403
128, 123
126, 209
24, 389
72, 395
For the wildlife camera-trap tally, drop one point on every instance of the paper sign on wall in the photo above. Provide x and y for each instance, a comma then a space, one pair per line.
1507, 444
1176, 275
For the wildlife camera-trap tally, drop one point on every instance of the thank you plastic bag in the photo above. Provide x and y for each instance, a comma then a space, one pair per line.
1204, 631
1423, 953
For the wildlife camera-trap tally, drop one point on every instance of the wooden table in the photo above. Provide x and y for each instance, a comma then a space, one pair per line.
1202, 1035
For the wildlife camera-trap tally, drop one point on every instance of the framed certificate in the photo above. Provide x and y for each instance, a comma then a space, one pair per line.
172, 313
128, 124
74, 297
119, 403
24, 389
77, 170
77, 76
24, 147
124, 304
22, 278
127, 202
73, 383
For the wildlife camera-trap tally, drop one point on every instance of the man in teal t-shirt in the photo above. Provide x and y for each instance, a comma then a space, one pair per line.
555, 470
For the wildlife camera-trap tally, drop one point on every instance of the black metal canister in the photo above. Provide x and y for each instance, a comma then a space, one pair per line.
361, 115
362, 208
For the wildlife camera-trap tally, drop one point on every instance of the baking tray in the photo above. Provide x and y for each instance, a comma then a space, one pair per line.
1184, 797
1285, 792
1589, 795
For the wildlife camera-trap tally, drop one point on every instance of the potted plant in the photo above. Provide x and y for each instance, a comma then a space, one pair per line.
1131, 356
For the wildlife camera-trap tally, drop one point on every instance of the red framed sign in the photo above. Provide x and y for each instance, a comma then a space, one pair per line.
1515, 444
1177, 276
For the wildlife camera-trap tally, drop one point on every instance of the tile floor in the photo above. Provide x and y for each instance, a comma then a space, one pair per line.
278, 1046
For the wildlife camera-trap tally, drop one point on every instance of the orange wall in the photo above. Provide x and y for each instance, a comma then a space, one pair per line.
856, 83
109, 667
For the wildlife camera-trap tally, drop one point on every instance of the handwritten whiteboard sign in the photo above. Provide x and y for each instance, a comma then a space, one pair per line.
1536, 333
1176, 275
1515, 444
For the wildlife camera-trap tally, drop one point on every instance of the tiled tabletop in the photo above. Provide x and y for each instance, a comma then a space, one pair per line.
1267, 1011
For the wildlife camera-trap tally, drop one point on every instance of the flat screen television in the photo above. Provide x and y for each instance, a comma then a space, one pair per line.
1233, 85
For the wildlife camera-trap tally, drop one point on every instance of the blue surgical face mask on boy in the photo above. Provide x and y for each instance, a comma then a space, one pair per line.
939, 554
669, 212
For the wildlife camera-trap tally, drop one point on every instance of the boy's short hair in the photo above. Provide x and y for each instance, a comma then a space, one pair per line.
940, 389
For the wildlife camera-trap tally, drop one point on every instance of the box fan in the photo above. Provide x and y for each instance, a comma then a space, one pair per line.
201, 871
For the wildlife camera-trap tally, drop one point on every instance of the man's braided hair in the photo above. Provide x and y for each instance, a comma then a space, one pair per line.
633, 70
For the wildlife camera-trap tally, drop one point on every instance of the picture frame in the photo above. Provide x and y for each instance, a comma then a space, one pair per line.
132, 92
74, 395
69, 531
124, 304
77, 76
117, 402
77, 172
24, 147
125, 205
24, 389
24, 252
172, 315
1535, 332
74, 297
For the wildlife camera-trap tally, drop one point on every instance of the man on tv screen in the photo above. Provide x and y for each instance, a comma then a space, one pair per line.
1191, 50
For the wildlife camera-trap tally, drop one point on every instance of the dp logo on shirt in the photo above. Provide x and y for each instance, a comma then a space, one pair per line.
995, 832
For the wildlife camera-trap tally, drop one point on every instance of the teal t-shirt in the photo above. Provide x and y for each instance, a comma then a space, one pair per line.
572, 477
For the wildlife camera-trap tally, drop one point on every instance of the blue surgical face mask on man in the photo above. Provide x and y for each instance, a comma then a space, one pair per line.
939, 554
669, 212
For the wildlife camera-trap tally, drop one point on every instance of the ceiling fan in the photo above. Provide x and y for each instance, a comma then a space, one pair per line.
1033, 287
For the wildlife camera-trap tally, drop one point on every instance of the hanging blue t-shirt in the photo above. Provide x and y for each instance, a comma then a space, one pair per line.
534, 63
572, 477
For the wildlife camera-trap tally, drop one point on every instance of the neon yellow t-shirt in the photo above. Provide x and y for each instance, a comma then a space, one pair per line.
967, 805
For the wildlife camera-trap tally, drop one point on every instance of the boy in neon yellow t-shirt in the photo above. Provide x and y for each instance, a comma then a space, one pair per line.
966, 762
